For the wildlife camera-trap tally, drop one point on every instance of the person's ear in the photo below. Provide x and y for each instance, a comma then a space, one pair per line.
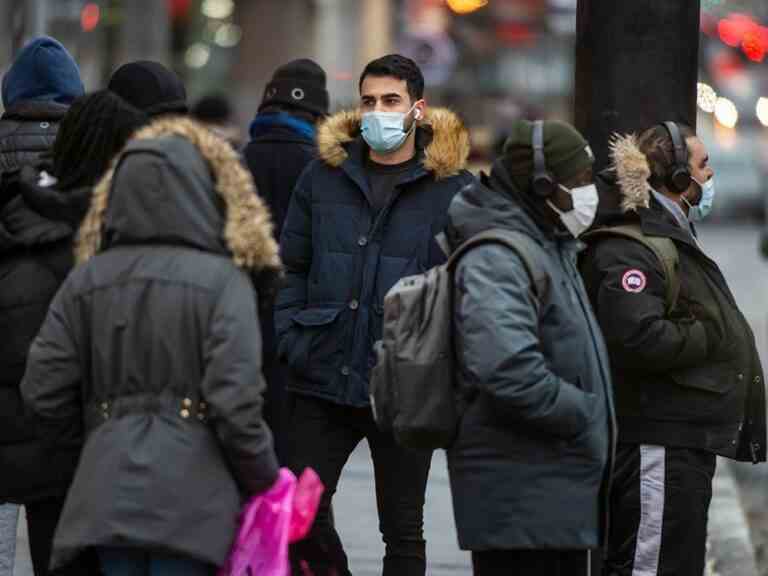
418, 113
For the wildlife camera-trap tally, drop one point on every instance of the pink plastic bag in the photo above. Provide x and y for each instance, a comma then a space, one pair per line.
272, 520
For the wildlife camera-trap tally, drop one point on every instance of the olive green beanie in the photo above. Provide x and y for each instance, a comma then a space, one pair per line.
566, 152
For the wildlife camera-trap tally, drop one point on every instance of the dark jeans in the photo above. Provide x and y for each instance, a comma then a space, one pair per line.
532, 563
324, 436
133, 562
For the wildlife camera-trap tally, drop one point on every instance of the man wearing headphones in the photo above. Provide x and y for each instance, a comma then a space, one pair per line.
529, 466
687, 378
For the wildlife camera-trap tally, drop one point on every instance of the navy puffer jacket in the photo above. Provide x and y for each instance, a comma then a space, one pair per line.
341, 258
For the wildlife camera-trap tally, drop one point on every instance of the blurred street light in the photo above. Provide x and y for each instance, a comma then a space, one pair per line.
706, 97
762, 111
89, 17
228, 36
197, 55
466, 6
726, 113
218, 9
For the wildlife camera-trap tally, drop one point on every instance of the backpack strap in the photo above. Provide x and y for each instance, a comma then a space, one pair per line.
663, 248
524, 246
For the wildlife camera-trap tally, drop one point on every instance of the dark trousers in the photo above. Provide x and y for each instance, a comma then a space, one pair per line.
42, 518
278, 404
659, 506
324, 436
532, 563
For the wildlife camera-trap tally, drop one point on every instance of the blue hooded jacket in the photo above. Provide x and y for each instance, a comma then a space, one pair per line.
43, 71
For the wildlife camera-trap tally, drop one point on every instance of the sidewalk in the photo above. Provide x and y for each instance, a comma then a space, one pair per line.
730, 550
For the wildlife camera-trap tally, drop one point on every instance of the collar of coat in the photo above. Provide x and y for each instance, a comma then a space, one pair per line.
445, 155
247, 225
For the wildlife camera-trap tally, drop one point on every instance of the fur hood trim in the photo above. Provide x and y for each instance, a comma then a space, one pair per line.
248, 224
446, 155
632, 172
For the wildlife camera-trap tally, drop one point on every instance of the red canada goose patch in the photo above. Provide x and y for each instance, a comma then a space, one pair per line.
634, 281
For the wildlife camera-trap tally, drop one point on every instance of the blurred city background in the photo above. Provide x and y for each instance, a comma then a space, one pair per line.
491, 60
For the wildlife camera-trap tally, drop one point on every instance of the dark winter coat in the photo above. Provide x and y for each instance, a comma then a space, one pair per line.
673, 386
341, 258
529, 467
150, 354
35, 257
280, 149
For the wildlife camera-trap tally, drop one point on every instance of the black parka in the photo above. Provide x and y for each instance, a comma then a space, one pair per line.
35, 257
673, 386
150, 355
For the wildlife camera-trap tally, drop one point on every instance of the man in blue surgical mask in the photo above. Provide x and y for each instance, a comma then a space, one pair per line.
362, 216
687, 377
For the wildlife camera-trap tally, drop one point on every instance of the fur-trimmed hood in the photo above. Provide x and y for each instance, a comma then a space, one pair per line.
161, 189
632, 171
445, 154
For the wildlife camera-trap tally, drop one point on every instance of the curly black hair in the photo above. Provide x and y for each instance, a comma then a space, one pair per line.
93, 131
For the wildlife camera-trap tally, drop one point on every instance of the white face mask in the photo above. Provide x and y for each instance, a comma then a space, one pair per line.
585, 201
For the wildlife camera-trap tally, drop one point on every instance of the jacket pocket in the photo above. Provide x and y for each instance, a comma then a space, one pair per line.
315, 336
708, 394
719, 379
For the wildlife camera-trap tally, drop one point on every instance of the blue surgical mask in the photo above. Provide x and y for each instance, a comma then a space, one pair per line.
385, 132
704, 207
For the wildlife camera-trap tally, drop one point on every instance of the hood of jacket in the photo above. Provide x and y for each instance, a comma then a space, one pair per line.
446, 140
481, 206
625, 194
178, 183
43, 71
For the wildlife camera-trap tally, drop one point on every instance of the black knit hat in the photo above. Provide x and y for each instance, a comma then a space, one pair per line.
150, 87
301, 84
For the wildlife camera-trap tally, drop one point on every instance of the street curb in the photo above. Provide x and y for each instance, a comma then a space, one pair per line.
729, 545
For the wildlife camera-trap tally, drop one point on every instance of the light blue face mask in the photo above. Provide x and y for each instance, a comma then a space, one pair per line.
385, 132
704, 207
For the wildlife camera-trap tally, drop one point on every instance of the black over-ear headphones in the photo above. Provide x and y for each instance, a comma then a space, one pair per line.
543, 183
679, 177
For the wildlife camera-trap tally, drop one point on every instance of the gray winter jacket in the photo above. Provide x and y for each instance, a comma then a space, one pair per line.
150, 356
529, 466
